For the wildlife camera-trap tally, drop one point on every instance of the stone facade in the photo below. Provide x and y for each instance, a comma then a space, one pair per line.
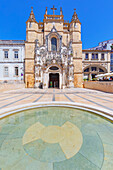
53, 54
53, 51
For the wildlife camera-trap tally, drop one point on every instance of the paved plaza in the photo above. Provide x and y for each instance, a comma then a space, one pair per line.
11, 98
55, 138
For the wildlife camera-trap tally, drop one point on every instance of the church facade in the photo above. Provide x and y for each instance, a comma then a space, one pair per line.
52, 54
53, 51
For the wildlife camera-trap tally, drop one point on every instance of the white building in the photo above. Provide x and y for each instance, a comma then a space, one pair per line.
95, 62
106, 45
12, 54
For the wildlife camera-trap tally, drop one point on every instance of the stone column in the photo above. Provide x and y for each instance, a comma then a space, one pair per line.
64, 77
90, 73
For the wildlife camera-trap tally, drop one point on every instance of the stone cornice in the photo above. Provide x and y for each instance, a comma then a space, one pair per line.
31, 21
29, 72
26, 42
69, 32
34, 31
47, 15
96, 51
4, 62
21, 44
97, 62
75, 58
78, 72
80, 42
29, 59
53, 20
77, 21
75, 31
53, 32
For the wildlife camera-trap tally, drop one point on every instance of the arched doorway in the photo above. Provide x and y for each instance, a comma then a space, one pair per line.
54, 80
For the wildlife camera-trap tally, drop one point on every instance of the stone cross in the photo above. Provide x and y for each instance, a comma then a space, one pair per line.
54, 10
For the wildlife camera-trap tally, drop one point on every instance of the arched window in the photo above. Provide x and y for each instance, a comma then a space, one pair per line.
53, 44
86, 70
101, 70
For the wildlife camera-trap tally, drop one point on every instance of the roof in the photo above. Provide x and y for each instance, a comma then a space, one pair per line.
95, 50
104, 45
107, 41
8, 42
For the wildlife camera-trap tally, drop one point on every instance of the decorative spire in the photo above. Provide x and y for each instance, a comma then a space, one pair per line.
32, 16
46, 11
61, 13
75, 16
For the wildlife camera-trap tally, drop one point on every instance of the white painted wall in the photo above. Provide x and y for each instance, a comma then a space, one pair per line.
11, 62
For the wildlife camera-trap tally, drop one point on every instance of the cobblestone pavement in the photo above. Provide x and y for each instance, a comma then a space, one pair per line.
9, 86
85, 96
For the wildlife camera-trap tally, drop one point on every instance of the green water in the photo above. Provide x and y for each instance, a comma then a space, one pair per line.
95, 153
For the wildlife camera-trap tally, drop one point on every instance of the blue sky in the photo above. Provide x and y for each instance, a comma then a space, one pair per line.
96, 17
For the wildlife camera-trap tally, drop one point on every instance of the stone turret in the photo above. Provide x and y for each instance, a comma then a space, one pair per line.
75, 17
31, 36
32, 16
75, 29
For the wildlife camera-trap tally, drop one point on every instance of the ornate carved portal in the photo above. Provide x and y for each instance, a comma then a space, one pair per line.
53, 66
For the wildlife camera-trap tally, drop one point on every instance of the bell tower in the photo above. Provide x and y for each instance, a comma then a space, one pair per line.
75, 36
31, 36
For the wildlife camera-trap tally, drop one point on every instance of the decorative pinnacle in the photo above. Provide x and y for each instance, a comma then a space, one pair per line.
32, 16
74, 17
46, 10
61, 13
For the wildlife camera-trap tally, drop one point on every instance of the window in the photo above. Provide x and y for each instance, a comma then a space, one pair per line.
86, 70
111, 56
86, 56
95, 56
15, 54
30, 25
6, 71
111, 64
16, 71
111, 68
102, 56
100, 70
53, 44
75, 25
5, 54
93, 68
